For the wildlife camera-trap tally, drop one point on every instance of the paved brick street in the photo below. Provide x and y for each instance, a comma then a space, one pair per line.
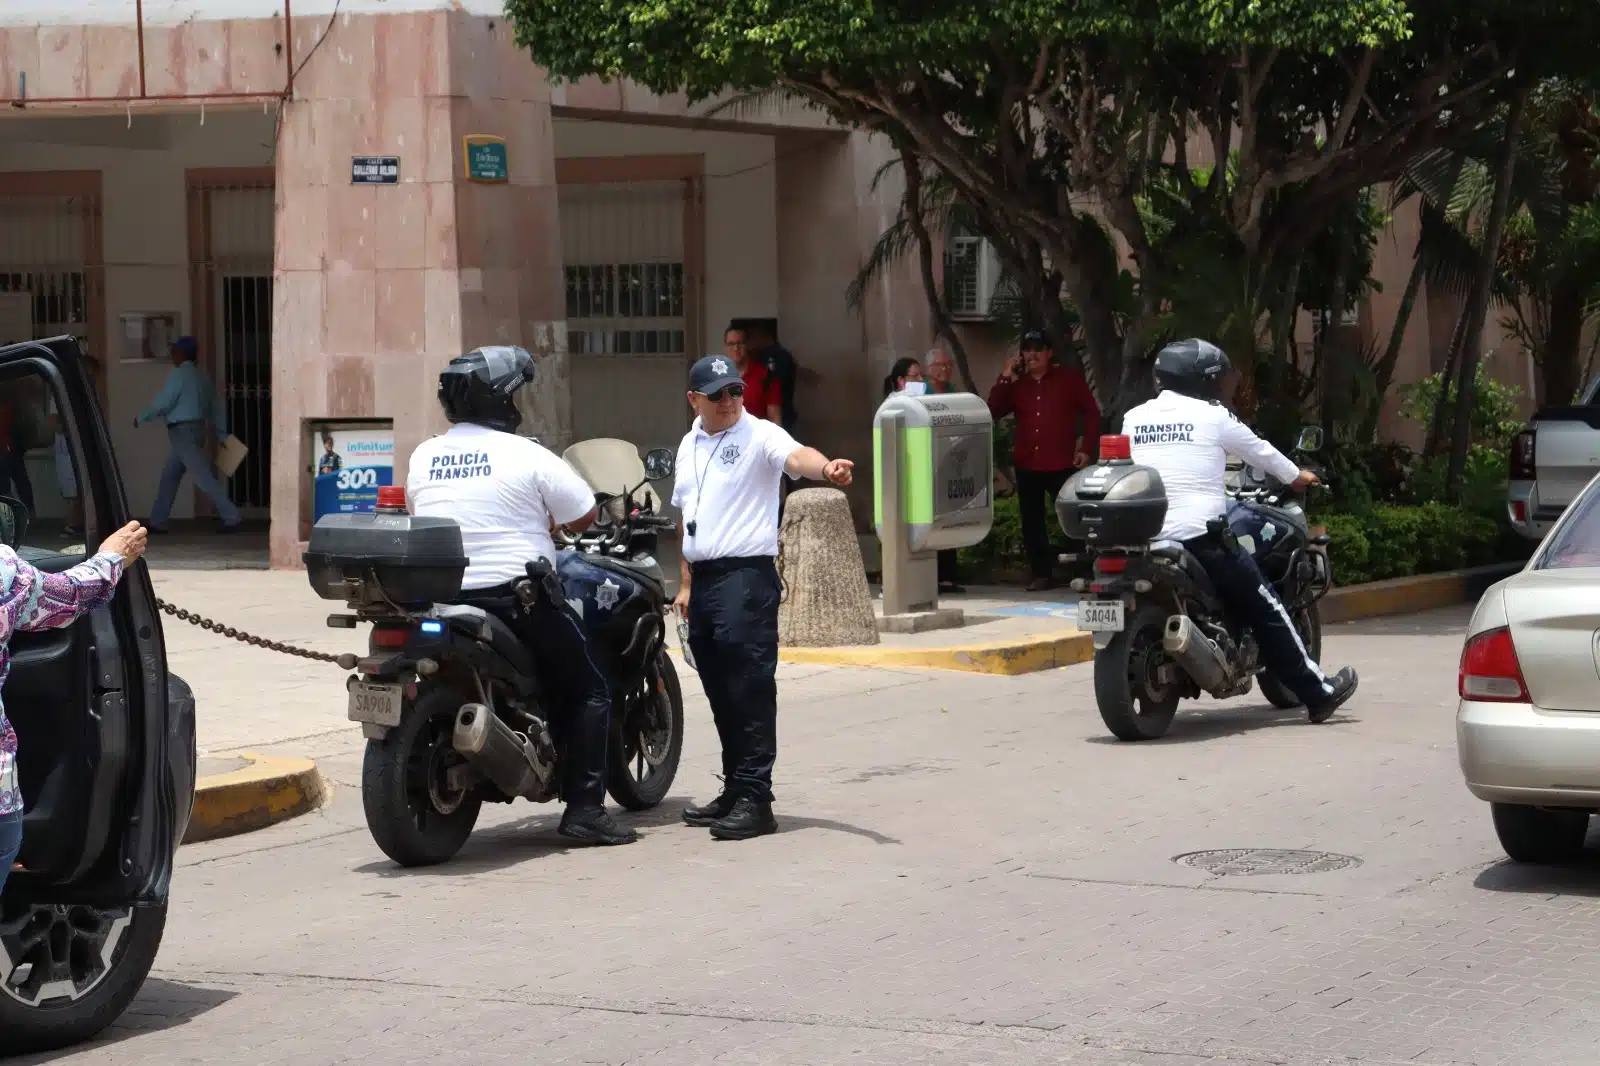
970, 872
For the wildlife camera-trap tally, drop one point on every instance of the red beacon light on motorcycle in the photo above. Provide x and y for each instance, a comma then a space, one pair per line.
392, 499
1116, 448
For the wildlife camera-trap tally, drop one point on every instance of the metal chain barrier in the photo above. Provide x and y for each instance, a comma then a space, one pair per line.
243, 637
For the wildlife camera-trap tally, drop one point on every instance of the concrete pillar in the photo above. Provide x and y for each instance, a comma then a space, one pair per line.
378, 286
828, 221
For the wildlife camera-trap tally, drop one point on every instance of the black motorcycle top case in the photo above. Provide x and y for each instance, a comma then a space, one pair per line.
1113, 504
414, 559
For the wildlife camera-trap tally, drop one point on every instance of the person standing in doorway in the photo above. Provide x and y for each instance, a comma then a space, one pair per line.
189, 405
1058, 431
761, 396
729, 467
939, 371
780, 365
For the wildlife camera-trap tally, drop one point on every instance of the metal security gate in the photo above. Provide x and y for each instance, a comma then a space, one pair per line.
51, 283
631, 307
231, 217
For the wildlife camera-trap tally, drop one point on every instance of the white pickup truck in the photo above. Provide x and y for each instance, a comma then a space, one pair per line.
1551, 461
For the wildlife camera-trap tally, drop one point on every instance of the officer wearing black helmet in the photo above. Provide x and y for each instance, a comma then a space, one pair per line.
1187, 435
508, 493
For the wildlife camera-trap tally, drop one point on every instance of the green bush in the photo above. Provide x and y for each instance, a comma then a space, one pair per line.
1348, 549
1400, 541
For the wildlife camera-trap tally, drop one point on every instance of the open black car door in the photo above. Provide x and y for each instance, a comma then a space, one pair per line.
106, 755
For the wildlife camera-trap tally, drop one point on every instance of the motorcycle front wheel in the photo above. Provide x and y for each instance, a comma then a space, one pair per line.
414, 814
646, 739
1308, 623
1136, 685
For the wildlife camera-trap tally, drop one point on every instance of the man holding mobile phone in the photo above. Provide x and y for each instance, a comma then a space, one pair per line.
1058, 431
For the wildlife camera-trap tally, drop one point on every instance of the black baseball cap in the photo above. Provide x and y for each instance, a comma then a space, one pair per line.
1034, 338
712, 374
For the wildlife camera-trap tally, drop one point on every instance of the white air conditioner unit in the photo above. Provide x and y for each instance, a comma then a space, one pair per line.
971, 275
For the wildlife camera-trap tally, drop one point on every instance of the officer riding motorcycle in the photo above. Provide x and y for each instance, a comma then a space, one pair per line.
508, 493
1187, 434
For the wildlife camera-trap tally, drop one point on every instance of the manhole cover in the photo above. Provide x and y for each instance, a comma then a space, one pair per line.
1231, 862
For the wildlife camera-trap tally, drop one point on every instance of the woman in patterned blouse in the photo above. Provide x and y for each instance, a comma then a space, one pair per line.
30, 599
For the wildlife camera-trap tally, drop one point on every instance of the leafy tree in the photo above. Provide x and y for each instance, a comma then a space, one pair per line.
1056, 119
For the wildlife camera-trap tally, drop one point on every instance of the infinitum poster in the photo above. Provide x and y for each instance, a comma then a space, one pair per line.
350, 463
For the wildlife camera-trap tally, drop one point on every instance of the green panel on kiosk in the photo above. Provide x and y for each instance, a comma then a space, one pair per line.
946, 455
877, 478
917, 476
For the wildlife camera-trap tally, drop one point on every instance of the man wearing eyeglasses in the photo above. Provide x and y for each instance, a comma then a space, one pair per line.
730, 465
763, 395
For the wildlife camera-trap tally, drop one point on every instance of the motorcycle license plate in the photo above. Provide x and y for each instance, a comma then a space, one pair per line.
1100, 616
377, 704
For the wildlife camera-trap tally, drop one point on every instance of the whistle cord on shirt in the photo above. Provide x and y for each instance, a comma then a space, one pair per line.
692, 526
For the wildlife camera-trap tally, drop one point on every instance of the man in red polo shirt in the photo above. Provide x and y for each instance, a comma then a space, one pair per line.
763, 395
1058, 431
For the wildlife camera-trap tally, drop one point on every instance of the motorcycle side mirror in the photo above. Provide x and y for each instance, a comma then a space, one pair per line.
1310, 439
659, 464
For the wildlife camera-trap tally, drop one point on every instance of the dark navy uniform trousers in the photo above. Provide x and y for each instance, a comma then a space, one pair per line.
733, 633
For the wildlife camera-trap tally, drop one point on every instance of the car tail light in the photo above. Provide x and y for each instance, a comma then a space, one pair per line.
1490, 672
1113, 448
1523, 466
390, 637
1519, 511
1111, 564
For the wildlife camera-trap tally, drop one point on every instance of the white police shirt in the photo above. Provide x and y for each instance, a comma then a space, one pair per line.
727, 486
503, 490
1188, 442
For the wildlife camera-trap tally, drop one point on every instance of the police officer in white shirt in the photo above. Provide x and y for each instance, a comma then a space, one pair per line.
507, 493
1187, 435
730, 466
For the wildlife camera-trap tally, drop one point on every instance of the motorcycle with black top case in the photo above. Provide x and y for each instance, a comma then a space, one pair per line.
449, 698
1161, 634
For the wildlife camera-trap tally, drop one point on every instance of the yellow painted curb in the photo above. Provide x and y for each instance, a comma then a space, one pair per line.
268, 791
1407, 595
1042, 651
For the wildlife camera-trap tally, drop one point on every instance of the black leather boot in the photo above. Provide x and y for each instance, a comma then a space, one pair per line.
749, 818
1344, 686
718, 808
594, 825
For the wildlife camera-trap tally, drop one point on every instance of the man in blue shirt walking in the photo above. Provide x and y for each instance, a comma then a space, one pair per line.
188, 403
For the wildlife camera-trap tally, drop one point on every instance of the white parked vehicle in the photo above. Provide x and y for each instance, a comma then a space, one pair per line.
1528, 725
1551, 461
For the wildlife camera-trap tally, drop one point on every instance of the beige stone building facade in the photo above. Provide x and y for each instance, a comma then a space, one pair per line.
202, 166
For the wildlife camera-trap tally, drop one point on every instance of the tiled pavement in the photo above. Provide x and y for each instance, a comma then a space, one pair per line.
970, 872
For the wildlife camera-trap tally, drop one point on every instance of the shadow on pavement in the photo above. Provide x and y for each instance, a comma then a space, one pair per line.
160, 1005
1444, 622
791, 824
1578, 879
1218, 723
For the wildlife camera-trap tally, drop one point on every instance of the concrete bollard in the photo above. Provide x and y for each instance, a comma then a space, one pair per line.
826, 603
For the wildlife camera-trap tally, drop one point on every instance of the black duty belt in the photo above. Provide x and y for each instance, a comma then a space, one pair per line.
712, 567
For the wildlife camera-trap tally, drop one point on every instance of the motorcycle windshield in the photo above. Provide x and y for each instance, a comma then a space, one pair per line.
609, 465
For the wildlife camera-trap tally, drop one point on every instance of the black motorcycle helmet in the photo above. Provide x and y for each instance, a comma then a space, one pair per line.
481, 386
1193, 367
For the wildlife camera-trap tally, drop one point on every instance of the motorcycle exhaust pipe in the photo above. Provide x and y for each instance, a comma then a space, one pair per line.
1197, 653
512, 762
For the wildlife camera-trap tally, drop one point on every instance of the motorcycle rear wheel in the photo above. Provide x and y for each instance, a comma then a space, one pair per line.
413, 815
646, 740
1308, 623
1135, 703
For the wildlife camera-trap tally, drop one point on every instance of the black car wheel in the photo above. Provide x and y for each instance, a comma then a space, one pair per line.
1541, 835
646, 740
68, 971
413, 812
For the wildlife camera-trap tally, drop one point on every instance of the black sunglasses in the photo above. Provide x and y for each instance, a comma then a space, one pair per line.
736, 391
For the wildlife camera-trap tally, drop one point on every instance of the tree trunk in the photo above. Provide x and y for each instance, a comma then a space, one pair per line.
1383, 373
1472, 349
1447, 383
1559, 370
942, 324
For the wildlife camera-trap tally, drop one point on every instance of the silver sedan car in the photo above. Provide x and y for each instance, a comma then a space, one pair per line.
1528, 726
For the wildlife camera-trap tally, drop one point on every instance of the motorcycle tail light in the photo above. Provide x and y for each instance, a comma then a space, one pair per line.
1490, 670
1111, 564
388, 637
